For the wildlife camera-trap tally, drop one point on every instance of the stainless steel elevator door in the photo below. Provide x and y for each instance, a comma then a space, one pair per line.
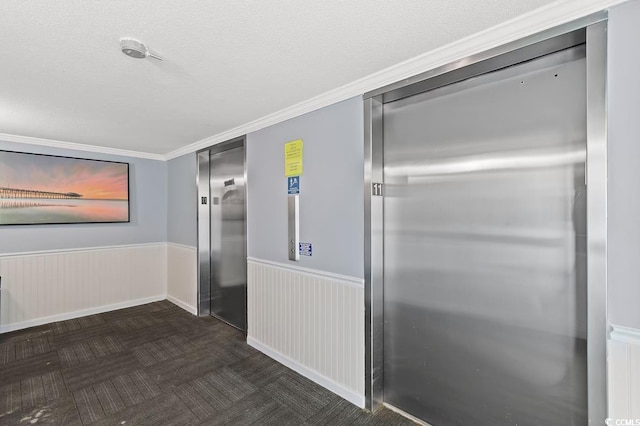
228, 237
485, 248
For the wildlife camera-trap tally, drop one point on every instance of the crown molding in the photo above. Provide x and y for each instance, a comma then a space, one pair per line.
79, 147
544, 18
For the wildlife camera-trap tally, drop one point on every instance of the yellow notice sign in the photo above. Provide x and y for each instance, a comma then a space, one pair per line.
293, 158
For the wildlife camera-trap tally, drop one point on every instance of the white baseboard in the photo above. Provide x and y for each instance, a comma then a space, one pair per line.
191, 309
182, 276
339, 390
81, 313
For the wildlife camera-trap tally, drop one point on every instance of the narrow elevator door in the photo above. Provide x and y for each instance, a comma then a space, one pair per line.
485, 248
228, 237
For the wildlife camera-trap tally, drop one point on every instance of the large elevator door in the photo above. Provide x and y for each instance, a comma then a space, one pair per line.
228, 237
485, 248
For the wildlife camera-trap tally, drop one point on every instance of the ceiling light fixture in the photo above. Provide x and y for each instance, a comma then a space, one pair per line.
136, 49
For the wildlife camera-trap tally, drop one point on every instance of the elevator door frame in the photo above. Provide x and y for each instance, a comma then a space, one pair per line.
204, 218
592, 31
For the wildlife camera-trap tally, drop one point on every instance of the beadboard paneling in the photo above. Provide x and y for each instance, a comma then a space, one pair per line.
182, 276
43, 287
624, 373
311, 322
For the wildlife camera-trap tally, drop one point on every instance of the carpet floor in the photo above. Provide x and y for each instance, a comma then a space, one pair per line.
156, 364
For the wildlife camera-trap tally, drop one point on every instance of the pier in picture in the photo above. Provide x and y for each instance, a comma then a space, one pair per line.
46, 189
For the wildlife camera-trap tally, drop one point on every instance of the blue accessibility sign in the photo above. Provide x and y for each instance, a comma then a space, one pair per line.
293, 185
305, 249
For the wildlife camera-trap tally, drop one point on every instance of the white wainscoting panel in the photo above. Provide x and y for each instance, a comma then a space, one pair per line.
311, 321
182, 276
624, 373
44, 287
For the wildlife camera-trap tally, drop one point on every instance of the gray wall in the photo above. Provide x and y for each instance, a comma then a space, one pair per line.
162, 194
331, 195
624, 165
181, 197
148, 201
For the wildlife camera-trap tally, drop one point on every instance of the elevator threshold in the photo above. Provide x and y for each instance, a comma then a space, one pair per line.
407, 415
227, 322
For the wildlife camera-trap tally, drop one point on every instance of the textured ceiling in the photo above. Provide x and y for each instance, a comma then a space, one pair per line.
226, 62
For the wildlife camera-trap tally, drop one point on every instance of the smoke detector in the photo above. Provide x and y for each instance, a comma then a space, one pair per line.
136, 49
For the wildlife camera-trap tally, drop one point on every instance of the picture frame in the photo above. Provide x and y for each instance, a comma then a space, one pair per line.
39, 189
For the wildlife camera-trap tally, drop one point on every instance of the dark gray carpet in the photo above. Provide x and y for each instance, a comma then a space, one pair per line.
157, 365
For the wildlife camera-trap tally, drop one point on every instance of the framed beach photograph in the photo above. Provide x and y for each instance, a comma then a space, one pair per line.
47, 189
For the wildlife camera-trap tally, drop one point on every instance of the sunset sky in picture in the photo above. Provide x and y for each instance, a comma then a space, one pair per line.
91, 179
